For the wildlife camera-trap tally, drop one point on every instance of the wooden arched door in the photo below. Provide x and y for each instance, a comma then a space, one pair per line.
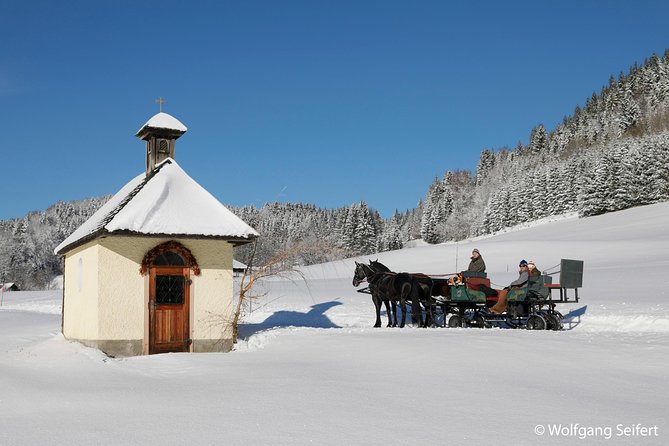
169, 304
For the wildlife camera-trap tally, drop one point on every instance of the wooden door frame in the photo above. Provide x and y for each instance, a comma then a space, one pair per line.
168, 270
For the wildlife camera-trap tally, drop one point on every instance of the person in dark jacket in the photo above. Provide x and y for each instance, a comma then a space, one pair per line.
522, 281
477, 265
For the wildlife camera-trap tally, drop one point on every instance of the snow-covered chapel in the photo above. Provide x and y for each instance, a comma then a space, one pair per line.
151, 271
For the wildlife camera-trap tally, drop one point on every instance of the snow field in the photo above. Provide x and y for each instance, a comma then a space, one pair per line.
310, 369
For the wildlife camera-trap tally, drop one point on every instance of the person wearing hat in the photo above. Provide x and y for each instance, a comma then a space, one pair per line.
520, 282
477, 265
533, 271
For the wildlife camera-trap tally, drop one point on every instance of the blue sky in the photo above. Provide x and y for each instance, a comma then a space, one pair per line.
325, 102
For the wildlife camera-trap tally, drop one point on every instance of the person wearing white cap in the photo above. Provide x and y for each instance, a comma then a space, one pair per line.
532, 270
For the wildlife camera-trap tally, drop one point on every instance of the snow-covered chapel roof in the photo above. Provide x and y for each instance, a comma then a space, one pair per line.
168, 202
164, 121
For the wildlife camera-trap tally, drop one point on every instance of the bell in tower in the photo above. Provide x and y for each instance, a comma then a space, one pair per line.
160, 133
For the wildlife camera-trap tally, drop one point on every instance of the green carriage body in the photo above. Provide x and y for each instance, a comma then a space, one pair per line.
536, 289
461, 293
469, 292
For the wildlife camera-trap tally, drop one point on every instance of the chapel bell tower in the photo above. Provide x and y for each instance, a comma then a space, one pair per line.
160, 133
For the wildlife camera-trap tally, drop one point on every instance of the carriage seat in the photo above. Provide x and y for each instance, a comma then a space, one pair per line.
474, 282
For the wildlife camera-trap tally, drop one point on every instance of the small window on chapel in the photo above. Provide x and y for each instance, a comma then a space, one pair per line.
169, 258
163, 146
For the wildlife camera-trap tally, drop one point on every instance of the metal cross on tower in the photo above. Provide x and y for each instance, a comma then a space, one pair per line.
160, 101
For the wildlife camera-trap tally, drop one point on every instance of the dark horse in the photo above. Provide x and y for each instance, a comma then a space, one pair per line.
427, 289
388, 287
377, 297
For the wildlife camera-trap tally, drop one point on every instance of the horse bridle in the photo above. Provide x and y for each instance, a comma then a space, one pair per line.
364, 275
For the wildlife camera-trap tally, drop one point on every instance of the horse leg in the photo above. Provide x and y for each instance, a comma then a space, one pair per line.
426, 291
388, 312
429, 317
416, 313
377, 307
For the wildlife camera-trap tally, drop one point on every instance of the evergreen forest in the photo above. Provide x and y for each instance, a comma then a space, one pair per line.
610, 154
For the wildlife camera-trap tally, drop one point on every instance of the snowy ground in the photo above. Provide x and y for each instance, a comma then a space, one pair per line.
311, 370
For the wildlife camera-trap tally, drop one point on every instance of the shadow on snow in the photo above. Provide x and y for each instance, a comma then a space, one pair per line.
573, 318
314, 318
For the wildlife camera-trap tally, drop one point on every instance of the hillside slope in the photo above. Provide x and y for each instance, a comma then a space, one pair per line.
310, 369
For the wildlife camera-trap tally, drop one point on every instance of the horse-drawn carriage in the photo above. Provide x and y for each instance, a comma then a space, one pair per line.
469, 299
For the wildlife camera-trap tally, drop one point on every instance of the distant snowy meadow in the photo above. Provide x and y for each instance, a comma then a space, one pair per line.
310, 369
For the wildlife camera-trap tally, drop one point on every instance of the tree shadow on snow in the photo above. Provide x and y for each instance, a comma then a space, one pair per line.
314, 318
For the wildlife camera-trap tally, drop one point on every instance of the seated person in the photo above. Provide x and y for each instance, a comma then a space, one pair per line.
477, 265
520, 282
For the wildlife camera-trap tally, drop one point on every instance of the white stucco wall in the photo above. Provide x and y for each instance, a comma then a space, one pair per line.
80, 312
211, 292
121, 287
119, 291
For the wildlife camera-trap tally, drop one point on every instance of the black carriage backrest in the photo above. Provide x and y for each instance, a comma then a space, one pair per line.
571, 273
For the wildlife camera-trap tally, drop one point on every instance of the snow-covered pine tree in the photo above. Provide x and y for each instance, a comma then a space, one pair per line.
596, 197
428, 222
538, 141
537, 202
365, 234
625, 177
392, 235
412, 228
630, 112
484, 166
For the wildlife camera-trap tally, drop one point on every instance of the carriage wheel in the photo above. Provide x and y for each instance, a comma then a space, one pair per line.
456, 321
535, 322
480, 321
553, 322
